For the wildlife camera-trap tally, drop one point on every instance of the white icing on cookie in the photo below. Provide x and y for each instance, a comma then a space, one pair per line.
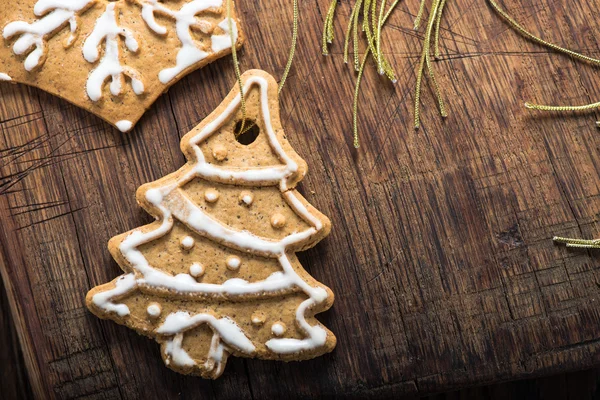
5, 77
180, 206
216, 355
123, 285
233, 263
211, 195
107, 30
278, 328
154, 310
181, 321
154, 196
268, 175
246, 198
187, 242
171, 202
124, 125
278, 221
176, 354
302, 210
196, 270
56, 13
222, 42
185, 18
258, 318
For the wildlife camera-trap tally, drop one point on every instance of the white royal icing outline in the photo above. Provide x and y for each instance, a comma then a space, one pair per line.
53, 14
107, 30
189, 54
224, 329
173, 203
56, 15
5, 77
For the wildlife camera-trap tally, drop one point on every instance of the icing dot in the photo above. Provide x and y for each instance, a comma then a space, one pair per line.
278, 328
211, 195
278, 221
219, 152
5, 77
233, 262
258, 318
154, 310
196, 270
246, 198
124, 125
187, 242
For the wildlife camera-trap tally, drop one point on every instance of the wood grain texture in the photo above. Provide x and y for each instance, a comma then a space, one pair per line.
441, 255
14, 383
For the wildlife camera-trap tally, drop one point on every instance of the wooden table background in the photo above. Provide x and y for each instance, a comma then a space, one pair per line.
441, 255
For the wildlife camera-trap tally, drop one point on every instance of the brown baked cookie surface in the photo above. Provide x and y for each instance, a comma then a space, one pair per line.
112, 58
216, 274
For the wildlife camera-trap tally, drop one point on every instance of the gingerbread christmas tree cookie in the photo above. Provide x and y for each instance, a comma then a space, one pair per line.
216, 274
113, 58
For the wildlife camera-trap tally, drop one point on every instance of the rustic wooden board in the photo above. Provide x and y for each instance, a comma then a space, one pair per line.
441, 255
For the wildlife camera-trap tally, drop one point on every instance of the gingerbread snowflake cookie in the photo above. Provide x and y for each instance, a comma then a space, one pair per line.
217, 274
113, 58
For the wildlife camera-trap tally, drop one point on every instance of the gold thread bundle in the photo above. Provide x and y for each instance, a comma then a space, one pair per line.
372, 24
374, 17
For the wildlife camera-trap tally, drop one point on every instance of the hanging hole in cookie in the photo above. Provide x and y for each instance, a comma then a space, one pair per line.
248, 133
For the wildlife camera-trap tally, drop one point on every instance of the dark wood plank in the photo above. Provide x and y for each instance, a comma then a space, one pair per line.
441, 255
14, 383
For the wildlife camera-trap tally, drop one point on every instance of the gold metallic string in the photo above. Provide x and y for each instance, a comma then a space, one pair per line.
353, 22
515, 25
292, 52
236, 66
578, 243
572, 243
425, 63
438, 20
328, 31
373, 21
419, 15
355, 36
286, 71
